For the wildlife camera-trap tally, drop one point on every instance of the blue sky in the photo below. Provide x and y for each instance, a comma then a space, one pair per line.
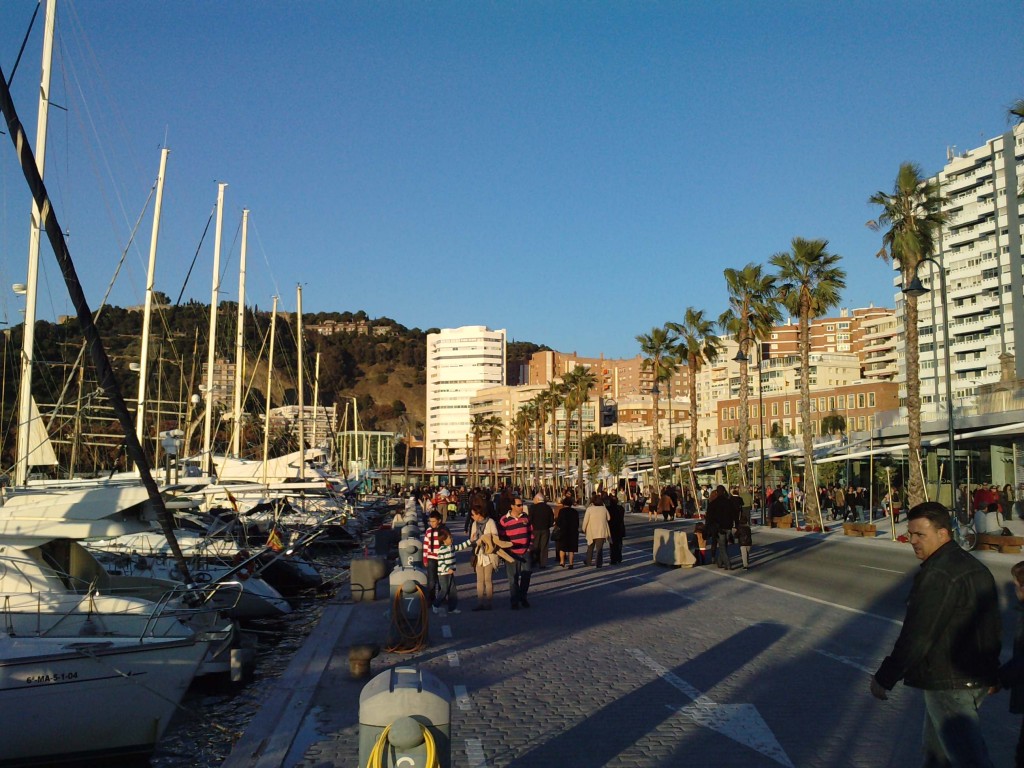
576, 173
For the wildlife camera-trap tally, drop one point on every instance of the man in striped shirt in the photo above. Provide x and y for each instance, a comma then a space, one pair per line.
516, 528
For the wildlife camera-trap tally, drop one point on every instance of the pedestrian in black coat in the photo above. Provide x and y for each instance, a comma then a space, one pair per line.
616, 526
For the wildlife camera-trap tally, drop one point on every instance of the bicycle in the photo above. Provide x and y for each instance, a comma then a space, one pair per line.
963, 531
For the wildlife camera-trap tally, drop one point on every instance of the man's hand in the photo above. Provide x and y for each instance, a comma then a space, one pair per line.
877, 690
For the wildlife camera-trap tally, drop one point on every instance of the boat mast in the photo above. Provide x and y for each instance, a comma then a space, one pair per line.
316, 398
140, 402
270, 378
32, 279
212, 349
302, 399
104, 372
236, 433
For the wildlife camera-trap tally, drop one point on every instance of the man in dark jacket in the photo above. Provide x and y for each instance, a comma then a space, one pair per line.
950, 641
616, 527
542, 517
721, 519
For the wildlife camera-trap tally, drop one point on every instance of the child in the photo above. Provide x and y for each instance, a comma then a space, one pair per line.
743, 536
447, 591
1011, 674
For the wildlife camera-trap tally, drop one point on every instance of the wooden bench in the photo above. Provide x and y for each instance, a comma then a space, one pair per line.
786, 521
997, 543
860, 529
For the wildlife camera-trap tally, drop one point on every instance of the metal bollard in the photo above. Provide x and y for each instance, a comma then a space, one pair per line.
410, 553
405, 720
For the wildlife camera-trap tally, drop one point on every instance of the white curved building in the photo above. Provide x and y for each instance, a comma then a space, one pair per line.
460, 362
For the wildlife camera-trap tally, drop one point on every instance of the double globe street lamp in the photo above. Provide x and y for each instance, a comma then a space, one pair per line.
917, 288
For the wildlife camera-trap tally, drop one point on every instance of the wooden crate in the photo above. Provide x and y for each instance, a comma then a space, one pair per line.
1010, 545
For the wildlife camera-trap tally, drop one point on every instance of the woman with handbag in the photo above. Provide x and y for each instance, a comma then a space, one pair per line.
483, 533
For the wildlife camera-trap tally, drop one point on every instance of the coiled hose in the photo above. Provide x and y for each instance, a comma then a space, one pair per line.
376, 759
409, 637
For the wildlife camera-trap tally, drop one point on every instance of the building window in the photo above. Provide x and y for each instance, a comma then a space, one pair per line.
775, 409
785, 408
849, 402
860, 400
831, 404
871, 399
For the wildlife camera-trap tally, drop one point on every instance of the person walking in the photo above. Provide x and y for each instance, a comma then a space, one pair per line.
542, 517
666, 506
721, 520
483, 533
616, 528
950, 641
516, 529
744, 538
447, 591
1011, 674
595, 528
567, 543
431, 543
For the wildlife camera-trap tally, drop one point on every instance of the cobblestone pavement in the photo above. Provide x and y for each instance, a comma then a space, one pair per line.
641, 665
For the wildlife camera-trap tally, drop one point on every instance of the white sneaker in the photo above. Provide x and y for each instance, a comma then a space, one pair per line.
434, 608
455, 610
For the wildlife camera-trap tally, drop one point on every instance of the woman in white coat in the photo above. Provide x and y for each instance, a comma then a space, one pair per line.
595, 528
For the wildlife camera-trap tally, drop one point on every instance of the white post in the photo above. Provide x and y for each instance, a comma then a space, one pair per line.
32, 279
140, 402
214, 299
302, 398
236, 432
270, 378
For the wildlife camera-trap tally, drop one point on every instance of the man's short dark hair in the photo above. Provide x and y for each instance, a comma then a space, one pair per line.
932, 511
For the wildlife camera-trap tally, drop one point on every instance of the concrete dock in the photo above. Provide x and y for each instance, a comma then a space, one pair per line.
636, 665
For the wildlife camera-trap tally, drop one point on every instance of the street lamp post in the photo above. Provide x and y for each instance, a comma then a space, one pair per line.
916, 288
742, 358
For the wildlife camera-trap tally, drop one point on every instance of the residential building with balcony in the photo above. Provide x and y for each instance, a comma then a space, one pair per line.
980, 252
460, 363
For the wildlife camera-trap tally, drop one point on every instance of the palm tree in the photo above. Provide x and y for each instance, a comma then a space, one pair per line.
520, 433
580, 381
698, 345
493, 427
476, 428
555, 397
655, 347
1016, 112
809, 285
752, 312
914, 217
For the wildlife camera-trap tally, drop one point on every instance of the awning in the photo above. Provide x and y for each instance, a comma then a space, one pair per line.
881, 450
1005, 429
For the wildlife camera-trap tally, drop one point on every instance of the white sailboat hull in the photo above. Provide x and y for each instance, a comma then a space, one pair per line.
89, 698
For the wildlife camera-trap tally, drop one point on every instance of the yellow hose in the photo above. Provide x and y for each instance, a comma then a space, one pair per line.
376, 759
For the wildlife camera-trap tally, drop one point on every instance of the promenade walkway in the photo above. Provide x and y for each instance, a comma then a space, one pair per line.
633, 665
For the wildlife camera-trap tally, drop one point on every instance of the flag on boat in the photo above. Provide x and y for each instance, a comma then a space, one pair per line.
274, 540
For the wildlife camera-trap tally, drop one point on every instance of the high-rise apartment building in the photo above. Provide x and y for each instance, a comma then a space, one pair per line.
980, 253
460, 362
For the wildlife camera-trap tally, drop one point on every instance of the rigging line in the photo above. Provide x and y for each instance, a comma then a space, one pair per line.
103, 301
24, 42
195, 257
263, 252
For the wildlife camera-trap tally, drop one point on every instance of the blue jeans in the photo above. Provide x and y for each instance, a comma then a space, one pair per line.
952, 734
446, 591
519, 574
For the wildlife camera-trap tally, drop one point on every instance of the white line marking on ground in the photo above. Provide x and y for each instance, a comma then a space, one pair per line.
844, 660
729, 574
462, 698
453, 659
475, 753
740, 722
887, 570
